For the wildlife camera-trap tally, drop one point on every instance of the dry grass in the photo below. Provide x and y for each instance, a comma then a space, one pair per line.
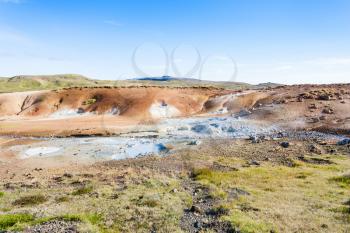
144, 204
284, 199
30, 200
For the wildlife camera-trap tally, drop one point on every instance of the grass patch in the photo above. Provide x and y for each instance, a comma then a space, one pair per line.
249, 225
2, 194
89, 101
62, 199
30, 200
279, 194
82, 191
10, 220
343, 181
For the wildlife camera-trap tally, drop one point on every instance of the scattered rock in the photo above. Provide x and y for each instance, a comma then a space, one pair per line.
344, 142
243, 113
56, 226
94, 194
332, 151
218, 212
285, 144
312, 106
314, 120
174, 191
192, 143
202, 129
67, 175
9, 186
257, 139
254, 163
183, 128
322, 118
221, 167
234, 193
314, 160
162, 148
315, 149
328, 110
324, 97
196, 209
80, 111
57, 179
115, 196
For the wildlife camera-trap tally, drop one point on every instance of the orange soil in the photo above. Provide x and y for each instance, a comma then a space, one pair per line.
290, 106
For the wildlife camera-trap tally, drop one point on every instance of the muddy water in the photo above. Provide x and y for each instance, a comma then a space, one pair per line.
166, 137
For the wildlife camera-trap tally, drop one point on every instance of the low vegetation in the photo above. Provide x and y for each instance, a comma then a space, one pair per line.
30, 200
83, 190
153, 194
343, 180
9, 220
89, 102
282, 199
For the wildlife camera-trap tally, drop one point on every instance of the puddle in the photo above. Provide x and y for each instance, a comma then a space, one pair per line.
67, 113
169, 135
40, 151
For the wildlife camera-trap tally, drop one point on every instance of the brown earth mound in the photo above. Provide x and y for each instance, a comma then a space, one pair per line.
80, 111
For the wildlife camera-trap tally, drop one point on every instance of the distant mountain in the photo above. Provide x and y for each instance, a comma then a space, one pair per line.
166, 78
160, 79
43, 82
50, 82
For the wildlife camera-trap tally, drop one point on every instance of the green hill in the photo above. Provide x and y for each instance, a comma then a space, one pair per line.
50, 82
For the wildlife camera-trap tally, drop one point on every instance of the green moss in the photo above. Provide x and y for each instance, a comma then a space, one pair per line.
10, 220
30, 200
343, 181
82, 191
249, 225
62, 199
94, 219
89, 101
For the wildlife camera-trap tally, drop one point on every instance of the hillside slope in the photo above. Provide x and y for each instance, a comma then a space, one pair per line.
53, 82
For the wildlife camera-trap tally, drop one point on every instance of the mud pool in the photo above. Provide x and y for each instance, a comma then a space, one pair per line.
163, 138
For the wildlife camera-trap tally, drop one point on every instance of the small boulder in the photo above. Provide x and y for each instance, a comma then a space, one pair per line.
328, 111
344, 142
162, 148
196, 209
322, 118
254, 163
312, 106
314, 149
314, 120
285, 144
203, 129
324, 97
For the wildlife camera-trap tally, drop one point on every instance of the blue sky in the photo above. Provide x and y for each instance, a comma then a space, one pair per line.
285, 41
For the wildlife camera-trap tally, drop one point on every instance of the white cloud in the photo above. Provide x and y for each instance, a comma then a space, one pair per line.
329, 61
